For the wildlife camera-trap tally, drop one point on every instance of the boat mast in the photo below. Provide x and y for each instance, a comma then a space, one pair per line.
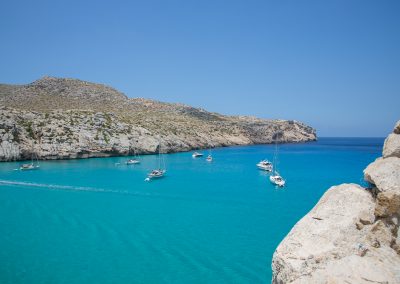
159, 152
276, 160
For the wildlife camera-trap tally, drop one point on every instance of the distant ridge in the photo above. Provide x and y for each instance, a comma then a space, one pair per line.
70, 118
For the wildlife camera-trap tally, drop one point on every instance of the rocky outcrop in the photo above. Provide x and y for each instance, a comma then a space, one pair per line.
59, 118
350, 236
396, 129
384, 173
392, 146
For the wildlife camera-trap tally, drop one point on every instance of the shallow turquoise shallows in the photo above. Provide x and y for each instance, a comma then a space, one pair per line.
97, 221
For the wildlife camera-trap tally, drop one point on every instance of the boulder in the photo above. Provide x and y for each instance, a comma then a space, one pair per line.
391, 147
397, 128
387, 203
325, 237
384, 173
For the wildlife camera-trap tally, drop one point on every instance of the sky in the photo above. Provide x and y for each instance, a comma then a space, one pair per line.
334, 65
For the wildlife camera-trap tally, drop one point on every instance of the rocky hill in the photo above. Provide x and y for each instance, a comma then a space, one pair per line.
60, 118
352, 234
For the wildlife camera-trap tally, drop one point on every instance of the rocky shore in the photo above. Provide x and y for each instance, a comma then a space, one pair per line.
58, 118
352, 234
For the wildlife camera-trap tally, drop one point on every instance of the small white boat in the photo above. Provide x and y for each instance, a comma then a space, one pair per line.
32, 165
265, 165
27, 167
156, 173
277, 179
197, 155
132, 162
160, 172
209, 158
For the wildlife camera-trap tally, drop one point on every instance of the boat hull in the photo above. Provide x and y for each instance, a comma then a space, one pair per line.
264, 168
29, 168
277, 180
157, 175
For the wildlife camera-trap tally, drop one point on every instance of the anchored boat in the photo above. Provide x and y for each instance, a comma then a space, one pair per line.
135, 160
197, 155
160, 172
265, 165
276, 178
32, 165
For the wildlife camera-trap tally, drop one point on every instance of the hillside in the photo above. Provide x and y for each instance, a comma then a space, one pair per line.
61, 118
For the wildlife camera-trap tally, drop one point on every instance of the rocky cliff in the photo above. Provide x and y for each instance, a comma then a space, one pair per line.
67, 118
352, 234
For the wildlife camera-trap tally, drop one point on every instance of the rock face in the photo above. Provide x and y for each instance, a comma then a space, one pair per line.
65, 118
350, 236
384, 173
392, 146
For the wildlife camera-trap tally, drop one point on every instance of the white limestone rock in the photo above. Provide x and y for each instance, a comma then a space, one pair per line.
396, 129
322, 242
352, 234
391, 147
384, 173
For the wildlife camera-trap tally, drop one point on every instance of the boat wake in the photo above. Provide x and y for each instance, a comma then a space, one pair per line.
69, 188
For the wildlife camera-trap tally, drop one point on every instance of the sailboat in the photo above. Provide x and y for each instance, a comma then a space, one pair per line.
209, 157
160, 172
32, 165
276, 178
133, 161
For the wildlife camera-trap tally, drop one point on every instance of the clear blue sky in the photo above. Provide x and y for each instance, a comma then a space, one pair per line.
332, 64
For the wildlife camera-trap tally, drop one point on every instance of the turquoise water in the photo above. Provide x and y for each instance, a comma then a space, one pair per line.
92, 221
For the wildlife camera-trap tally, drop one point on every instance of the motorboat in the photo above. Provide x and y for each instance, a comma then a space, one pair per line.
132, 162
197, 155
265, 165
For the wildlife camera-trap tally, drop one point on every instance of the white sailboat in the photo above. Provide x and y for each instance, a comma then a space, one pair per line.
32, 165
133, 161
209, 157
276, 178
160, 172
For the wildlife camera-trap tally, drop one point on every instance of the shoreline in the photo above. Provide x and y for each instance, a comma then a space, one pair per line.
105, 155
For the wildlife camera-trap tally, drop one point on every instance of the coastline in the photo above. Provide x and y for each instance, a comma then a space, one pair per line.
57, 118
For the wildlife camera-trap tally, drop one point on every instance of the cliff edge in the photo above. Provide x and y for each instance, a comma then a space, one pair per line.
352, 234
58, 118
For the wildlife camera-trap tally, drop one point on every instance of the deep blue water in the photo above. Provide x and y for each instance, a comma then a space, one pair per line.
92, 221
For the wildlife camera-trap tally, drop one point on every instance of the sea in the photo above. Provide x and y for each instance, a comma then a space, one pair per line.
97, 221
